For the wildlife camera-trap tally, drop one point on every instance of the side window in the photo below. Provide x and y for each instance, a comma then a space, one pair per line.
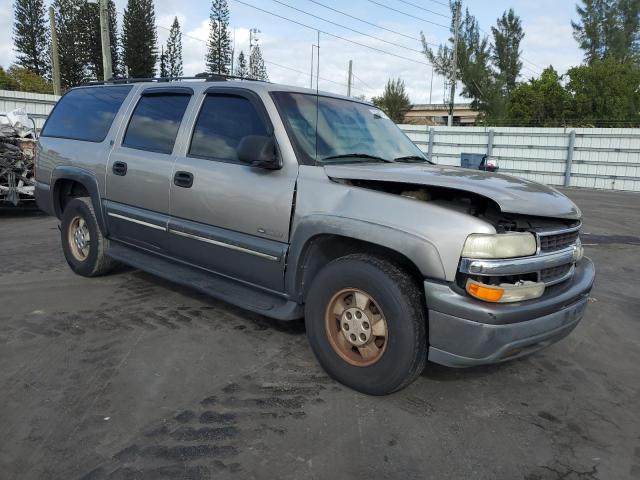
155, 122
86, 113
224, 120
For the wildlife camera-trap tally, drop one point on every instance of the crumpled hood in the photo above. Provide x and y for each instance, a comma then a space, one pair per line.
512, 194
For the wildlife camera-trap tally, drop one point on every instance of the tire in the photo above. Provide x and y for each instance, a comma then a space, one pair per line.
400, 355
92, 260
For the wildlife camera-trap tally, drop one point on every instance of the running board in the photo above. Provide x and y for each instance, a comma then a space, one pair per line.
209, 283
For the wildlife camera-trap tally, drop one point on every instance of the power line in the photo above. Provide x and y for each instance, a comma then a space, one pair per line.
367, 22
307, 73
347, 28
407, 14
332, 34
362, 81
268, 61
425, 9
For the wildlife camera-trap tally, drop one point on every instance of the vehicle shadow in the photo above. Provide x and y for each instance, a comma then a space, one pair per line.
441, 373
261, 322
25, 211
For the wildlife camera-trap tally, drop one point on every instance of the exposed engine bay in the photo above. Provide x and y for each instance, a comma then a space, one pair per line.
468, 203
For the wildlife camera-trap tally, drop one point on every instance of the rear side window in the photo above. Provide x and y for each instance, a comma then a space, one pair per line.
86, 113
155, 122
223, 122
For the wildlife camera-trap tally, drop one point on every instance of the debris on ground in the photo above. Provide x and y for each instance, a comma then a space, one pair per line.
17, 154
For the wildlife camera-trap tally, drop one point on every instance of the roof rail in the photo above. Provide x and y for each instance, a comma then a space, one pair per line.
207, 77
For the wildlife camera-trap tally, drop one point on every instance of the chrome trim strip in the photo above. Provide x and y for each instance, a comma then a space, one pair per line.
135, 220
546, 233
225, 245
515, 266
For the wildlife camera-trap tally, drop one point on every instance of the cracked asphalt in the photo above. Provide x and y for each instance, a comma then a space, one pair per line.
130, 377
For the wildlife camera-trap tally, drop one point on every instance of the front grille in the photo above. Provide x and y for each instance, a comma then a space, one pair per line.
552, 274
558, 241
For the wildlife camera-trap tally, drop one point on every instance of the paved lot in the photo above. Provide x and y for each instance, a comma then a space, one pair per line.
128, 376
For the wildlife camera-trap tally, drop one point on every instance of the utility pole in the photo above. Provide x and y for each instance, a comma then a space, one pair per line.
106, 41
313, 46
349, 79
454, 65
55, 58
431, 86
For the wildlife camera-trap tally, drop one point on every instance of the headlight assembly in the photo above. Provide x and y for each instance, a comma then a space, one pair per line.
502, 245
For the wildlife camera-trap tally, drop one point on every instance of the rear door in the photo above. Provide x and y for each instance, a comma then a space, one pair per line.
232, 219
140, 168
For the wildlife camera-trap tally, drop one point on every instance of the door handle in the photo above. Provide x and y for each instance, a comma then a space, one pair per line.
183, 179
119, 168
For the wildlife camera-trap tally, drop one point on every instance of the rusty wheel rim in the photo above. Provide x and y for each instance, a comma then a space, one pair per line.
356, 327
79, 238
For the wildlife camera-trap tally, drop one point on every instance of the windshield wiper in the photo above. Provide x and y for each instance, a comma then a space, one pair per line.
411, 159
357, 155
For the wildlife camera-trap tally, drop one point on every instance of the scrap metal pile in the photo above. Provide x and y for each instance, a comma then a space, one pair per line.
17, 153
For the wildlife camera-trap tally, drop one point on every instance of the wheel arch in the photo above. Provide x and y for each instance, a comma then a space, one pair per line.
70, 182
317, 241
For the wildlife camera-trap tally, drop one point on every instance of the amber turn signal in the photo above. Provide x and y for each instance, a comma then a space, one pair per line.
484, 292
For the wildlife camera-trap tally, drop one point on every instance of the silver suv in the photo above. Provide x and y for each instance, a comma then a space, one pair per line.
295, 204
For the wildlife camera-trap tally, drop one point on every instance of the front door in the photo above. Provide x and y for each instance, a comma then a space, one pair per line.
232, 219
140, 168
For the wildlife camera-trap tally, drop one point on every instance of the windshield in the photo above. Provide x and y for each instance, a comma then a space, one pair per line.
347, 132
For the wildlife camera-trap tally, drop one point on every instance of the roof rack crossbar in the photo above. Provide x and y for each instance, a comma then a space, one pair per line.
207, 77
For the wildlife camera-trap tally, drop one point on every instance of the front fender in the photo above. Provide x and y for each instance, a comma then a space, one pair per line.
420, 251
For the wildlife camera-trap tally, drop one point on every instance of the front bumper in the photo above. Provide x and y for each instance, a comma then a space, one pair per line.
464, 332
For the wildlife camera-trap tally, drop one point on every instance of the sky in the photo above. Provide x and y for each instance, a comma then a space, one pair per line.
287, 46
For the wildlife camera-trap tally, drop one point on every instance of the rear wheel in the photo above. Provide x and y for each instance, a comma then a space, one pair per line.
83, 244
366, 324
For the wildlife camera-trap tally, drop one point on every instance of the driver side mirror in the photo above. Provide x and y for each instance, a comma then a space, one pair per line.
260, 152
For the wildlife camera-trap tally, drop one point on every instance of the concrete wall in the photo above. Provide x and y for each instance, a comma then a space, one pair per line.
37, 105
606, 158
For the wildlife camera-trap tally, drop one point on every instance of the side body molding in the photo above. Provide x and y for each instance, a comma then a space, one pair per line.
86, 179
417, 249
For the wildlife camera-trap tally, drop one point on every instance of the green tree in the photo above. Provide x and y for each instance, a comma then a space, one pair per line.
507, 35
164, 72
31, 36
69, 26
139, 38
174, 50
488, 72
218, 56
540, 102
257, 69
242, 70
605, 93
24, 80
394, 101
90, 39
608, 28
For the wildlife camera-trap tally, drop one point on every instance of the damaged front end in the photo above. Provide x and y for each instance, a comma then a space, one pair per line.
529, 253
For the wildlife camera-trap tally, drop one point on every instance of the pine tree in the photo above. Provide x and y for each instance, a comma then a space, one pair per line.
174, 50
90, 39
139, 38
507, 35
257, 70
164, 73
114, 38
70, 48
218, 57
242, 70
394, 101
31, 36
589, 32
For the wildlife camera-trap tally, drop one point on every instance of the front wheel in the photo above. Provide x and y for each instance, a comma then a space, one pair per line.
366, 324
